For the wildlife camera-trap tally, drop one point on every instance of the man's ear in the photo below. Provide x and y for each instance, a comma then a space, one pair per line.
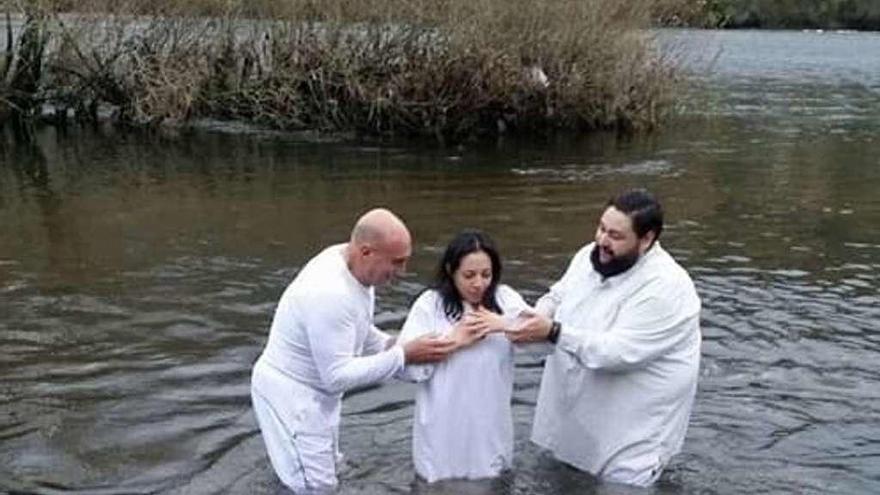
365, 249
646, 241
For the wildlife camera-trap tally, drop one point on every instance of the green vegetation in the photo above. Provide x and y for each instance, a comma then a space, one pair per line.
811, 14
453, 69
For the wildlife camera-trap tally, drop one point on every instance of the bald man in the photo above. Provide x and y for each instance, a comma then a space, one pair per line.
323, 343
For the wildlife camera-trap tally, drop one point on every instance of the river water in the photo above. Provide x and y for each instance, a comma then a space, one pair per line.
138, 276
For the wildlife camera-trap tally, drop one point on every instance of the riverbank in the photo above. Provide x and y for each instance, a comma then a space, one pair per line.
804, 14
455, 71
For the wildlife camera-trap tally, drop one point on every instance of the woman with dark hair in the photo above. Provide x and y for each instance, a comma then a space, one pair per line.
463, 426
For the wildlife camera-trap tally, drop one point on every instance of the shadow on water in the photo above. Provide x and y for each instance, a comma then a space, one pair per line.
31, 170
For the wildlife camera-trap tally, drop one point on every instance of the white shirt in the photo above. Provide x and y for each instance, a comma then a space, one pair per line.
462, 426
322, 342
617, 392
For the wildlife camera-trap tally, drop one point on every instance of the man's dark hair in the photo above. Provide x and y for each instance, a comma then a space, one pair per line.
642, 208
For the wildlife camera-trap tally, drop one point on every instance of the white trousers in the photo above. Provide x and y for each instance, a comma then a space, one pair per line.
304, 461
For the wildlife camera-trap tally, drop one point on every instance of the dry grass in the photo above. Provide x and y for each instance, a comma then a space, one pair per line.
447, 68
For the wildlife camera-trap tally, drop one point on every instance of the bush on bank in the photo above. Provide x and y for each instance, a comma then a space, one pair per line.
453, 69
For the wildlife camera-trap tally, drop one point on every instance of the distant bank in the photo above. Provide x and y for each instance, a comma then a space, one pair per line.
792, 14
453, 70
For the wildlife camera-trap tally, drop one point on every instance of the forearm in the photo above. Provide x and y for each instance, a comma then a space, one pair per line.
378, 341
617, 348
547, 304
590, 351
355, 372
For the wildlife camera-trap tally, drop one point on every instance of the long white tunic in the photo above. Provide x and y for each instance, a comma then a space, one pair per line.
617, 392
322, 342
462, 427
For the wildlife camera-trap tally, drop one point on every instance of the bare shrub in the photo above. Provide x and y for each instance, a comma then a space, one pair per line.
447, 68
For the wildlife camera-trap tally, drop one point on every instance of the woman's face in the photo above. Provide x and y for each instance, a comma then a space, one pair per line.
473, 276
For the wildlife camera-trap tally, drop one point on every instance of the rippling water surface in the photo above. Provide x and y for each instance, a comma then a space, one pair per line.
138, 276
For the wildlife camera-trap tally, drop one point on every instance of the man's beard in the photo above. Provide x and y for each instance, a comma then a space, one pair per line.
617, 264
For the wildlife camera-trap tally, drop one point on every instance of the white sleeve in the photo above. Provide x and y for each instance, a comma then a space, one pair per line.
511, 302
649, 326
332, 335
377, 341
546, 305
418, 322
549, 302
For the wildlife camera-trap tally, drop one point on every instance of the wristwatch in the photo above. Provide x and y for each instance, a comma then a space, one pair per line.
555, 330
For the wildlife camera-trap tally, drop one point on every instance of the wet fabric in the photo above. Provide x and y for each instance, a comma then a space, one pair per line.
617, 392
322, 342
462, 424
304, 461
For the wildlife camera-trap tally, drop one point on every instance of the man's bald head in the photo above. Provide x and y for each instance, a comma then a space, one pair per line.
377, 226
379, 248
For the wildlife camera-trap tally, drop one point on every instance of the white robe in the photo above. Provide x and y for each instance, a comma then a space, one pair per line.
617, 392
322, 343
462, 426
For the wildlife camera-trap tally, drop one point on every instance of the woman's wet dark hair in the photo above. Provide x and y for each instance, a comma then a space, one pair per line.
467, 242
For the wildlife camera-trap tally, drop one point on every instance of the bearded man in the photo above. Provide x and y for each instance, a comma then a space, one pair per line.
617, 391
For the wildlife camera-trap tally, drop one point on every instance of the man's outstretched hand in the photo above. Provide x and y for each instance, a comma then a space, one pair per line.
530, 327
428, 349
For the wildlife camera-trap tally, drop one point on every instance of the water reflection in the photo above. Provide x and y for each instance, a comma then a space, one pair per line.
138, 275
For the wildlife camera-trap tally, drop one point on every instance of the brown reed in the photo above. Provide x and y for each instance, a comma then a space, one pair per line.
453, 69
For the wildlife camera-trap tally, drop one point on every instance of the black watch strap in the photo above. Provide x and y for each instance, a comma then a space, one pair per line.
555, 330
